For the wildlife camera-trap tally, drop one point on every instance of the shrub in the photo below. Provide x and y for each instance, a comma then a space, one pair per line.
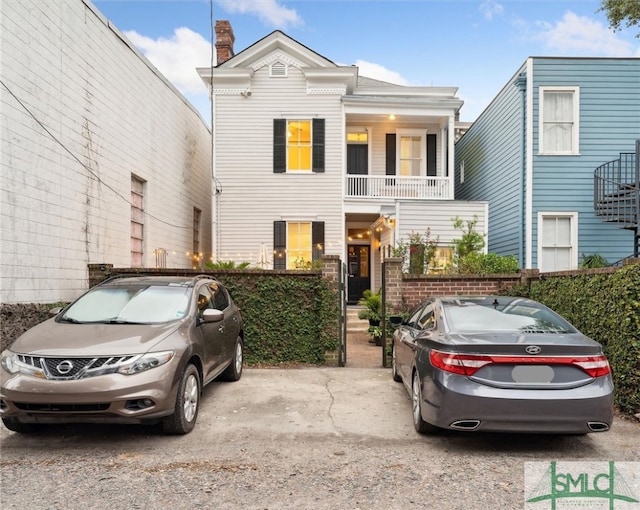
488, 263
605, 307
227, 264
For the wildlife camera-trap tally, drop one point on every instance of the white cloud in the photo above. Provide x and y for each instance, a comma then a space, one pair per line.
378, 72
581, 35
270, 12
177, 57
491, 8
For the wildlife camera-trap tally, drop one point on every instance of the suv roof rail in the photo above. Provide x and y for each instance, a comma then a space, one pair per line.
203, 276
121, 275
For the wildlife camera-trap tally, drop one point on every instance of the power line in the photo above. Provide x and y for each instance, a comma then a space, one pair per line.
87, 168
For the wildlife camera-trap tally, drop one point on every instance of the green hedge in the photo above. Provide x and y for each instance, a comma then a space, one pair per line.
287, 319
605, 307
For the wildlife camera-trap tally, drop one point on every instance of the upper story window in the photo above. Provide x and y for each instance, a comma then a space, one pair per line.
298, 145
358, 137
559, 120
411, 155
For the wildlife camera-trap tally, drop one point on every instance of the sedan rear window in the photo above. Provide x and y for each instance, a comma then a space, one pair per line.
150, 304
480, 317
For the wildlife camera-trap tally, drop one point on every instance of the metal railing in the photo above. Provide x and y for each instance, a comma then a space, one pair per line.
392, 186
616, 195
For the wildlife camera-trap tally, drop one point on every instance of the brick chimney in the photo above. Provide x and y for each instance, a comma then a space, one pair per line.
224, 41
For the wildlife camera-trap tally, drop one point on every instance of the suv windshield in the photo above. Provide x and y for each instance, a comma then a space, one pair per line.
135, 304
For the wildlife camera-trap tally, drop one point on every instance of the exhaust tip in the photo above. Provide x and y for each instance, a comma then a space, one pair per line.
465, 424
598, 426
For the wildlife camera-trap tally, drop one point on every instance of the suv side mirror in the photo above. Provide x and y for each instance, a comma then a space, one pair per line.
211, 315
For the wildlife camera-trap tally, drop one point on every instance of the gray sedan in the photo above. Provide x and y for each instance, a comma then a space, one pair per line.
496, 363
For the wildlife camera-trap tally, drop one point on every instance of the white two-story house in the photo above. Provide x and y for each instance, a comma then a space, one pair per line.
311, 158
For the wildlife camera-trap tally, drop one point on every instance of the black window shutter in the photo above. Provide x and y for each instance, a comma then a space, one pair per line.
318, 145
431, 155
279, 245
317, 240
279, 146
391, 153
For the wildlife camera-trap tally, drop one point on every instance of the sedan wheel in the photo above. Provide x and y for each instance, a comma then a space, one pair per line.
394, 367
234, 371
416, 398
185, 413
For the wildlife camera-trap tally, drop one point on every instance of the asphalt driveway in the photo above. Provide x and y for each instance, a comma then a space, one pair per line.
315, 438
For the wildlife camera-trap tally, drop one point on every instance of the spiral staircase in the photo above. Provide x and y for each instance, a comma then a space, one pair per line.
616, 196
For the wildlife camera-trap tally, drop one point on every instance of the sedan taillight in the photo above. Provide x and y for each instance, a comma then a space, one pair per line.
469, 364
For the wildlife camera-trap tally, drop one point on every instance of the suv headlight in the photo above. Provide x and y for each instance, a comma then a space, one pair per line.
9, 361
145, 362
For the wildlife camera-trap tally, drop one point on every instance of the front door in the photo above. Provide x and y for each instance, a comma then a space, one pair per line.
358, 270
357, 164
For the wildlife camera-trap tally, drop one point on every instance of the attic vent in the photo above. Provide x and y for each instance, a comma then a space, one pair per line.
278, 69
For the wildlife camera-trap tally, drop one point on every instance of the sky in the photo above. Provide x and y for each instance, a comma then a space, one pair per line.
474, 45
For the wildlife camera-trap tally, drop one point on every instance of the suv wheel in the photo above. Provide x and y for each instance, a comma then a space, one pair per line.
185, 413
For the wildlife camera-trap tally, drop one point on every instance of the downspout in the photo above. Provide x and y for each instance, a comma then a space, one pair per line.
528, 170
521, 83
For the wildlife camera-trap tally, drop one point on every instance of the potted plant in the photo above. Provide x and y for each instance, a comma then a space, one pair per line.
376, 335
372, 303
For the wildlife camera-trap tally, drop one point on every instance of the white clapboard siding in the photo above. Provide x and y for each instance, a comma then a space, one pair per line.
417, 217
253, 196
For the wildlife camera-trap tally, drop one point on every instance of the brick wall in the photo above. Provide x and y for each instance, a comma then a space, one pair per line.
84, 110
403, 291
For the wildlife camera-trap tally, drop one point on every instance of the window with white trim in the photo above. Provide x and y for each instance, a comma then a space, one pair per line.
297, 244
298, 145
559, 120
411, 153
557, 241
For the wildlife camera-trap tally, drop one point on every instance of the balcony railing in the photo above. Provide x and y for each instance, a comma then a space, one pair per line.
375, 186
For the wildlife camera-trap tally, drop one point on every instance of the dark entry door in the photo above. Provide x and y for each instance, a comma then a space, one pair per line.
358, 271
357, 164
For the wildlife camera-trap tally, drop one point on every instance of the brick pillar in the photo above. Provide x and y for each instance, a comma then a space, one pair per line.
528, 275
393, 283
331, 266
98, 272
331, 269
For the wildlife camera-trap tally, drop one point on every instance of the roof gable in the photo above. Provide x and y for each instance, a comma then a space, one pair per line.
276, 45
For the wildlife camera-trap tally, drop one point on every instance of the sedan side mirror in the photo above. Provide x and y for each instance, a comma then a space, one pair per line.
211, 315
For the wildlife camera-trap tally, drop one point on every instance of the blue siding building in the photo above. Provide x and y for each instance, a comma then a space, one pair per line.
533, 154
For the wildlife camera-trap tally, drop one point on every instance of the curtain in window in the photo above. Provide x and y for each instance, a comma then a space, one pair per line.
558, 121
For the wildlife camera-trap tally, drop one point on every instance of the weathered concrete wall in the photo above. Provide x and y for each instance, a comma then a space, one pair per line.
82, 112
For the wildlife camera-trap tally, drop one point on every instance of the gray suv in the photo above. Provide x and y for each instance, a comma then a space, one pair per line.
130, 350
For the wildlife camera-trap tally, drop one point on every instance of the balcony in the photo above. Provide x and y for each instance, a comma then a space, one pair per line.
395, 187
